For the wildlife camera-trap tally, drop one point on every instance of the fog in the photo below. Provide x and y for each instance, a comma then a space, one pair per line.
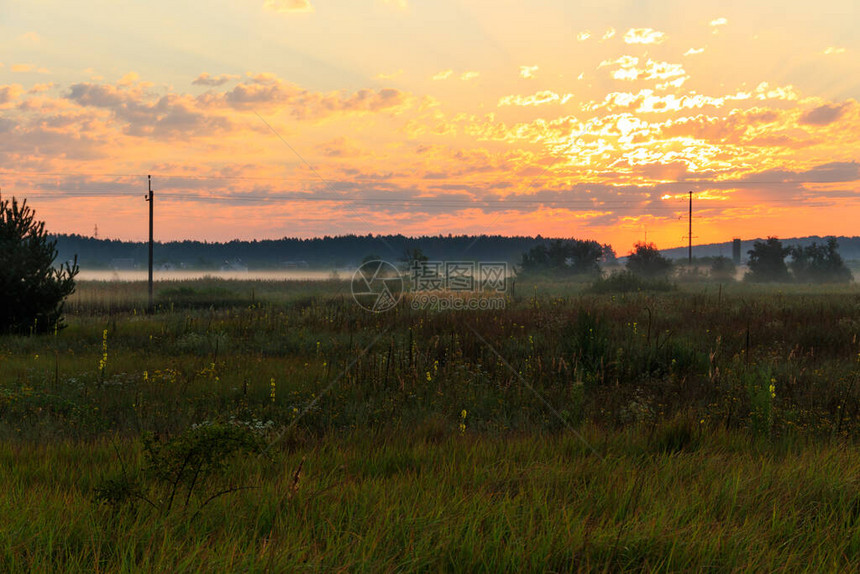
138, 275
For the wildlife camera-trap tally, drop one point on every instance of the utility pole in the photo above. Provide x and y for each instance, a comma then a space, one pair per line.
689, 234
151, 201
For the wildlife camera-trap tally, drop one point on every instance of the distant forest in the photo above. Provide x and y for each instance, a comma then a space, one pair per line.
346, 251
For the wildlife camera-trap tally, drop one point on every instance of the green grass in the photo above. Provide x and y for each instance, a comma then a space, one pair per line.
712, 427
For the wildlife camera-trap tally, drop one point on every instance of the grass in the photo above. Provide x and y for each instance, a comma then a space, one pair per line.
708, 427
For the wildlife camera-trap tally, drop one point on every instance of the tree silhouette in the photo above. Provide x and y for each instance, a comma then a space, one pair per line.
569, 257
646, 261
819, 263
33, 291
767, 261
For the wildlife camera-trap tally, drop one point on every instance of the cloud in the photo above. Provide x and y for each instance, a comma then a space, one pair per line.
824, 115
718, 22
627, 67
341, 147
389, 75
268, 91
694, 51
583, 36
831, 50
610, 32
288, 6
528, 72
543, 97
129, 79
8, 94
825, 173
466, 76
663, 71
166, 117
644, 36
443, 75
22, 67
205, 79
39, 88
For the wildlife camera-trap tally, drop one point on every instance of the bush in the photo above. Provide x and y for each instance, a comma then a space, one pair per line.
33, 290
723, 269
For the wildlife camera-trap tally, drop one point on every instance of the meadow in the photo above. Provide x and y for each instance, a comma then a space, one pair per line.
277, 426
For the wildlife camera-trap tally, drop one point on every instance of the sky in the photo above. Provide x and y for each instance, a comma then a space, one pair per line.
593, 119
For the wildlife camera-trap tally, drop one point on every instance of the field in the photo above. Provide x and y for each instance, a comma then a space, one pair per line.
277, 426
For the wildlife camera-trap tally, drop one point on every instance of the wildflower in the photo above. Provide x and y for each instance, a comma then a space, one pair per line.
772, 388
104, 359
272, 393
463, 421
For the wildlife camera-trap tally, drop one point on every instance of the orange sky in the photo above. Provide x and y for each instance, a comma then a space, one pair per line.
272, 118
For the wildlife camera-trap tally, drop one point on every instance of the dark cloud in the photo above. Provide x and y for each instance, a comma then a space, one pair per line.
168, 117
824, 115
825, 173
265, 90
205, 79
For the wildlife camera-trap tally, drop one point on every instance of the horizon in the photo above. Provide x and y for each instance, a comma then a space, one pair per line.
286, 118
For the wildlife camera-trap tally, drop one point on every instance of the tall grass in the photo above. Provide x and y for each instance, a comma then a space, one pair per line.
702, 428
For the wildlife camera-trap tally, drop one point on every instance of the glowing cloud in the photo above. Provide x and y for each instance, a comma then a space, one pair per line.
543, 97
718, 22
443, 75
286, 6
528, 72
694, 51
830, 50
583, 36
466, 76
644, 36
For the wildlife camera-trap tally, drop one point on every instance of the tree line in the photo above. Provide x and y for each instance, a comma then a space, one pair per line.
769, 261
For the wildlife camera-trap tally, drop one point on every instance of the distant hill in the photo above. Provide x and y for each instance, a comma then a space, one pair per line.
849, 247
345, 251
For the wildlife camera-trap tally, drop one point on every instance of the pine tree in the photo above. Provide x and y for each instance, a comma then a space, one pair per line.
32, 291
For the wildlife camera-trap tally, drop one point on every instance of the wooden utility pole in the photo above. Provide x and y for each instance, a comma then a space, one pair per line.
151, 201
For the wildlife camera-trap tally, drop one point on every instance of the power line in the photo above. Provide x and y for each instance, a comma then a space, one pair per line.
713, 183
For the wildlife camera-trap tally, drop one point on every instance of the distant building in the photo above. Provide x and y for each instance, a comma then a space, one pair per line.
736, 250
